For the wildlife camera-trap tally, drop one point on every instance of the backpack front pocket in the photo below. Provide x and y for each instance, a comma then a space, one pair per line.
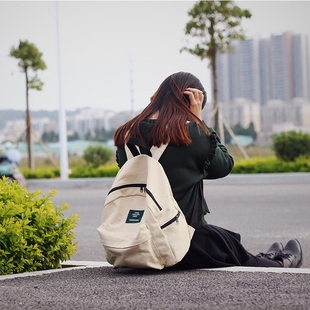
129, 252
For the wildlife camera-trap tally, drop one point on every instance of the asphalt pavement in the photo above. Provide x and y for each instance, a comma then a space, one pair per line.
263, 208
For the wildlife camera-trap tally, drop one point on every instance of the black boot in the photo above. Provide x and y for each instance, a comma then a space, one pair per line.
275, 249
291, 256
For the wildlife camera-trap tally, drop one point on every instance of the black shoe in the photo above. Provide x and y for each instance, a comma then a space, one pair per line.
275, 249
291, 256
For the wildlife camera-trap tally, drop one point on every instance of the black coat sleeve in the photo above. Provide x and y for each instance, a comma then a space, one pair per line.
219, 163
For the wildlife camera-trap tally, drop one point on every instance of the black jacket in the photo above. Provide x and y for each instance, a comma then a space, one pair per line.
187, 166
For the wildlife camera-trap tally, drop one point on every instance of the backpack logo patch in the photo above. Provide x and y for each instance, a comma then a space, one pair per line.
134, 216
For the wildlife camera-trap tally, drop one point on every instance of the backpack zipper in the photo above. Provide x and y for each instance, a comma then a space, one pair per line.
142, 188
151, 195
141, 185
174, 219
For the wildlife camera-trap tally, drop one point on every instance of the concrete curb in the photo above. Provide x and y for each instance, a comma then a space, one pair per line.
76, 265
232, 179
68, 265
70, 183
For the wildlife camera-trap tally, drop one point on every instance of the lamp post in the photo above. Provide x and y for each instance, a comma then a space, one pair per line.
62, 125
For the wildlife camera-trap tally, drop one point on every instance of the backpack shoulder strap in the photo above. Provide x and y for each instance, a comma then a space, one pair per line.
158, 151
135, 147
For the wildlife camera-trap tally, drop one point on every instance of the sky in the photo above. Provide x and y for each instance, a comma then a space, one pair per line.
115, 54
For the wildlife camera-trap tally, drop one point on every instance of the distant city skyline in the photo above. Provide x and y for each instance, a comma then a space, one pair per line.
265, 70
102, 41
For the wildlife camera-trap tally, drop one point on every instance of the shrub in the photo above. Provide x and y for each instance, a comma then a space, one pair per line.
97, 155
33, 234
290, 145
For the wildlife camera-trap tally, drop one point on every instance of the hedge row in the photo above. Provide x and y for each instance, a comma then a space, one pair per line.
91, 172
271, 165
41, 173
252, 165
78, 172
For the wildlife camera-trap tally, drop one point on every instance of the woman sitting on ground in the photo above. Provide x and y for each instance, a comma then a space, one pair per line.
194, 153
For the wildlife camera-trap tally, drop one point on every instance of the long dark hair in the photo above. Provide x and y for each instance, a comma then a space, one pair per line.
174, 112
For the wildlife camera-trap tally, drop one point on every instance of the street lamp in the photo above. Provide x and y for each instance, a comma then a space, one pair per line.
62, 125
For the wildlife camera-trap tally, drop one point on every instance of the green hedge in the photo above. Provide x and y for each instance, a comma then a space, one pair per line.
91, 172
271, 165
33, 233
252, 165
41, 173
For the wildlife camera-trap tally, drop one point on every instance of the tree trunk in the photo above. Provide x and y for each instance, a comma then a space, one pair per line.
28, 127
218, 124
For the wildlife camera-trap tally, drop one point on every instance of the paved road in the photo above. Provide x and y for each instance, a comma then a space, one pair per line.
262, 208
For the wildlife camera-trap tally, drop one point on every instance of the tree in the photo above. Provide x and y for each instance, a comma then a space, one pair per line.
73, 137
50, 136
97, 155
249, 131
291, 144
30, 58
216, 24
239, 130
100, 134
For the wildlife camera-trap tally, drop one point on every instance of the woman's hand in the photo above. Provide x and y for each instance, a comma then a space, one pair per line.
196, 100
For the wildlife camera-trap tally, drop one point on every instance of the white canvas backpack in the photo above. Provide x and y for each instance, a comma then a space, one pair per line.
142, 224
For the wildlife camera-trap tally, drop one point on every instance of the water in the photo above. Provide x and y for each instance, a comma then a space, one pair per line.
76, 147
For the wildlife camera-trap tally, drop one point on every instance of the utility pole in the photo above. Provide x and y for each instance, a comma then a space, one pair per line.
62, 125
131, 86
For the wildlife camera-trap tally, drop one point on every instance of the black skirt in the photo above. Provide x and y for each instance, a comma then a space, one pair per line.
214, 247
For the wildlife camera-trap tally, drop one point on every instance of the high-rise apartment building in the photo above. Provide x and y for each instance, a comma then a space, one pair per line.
264, 73
281, 67
301, 65
264, 70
